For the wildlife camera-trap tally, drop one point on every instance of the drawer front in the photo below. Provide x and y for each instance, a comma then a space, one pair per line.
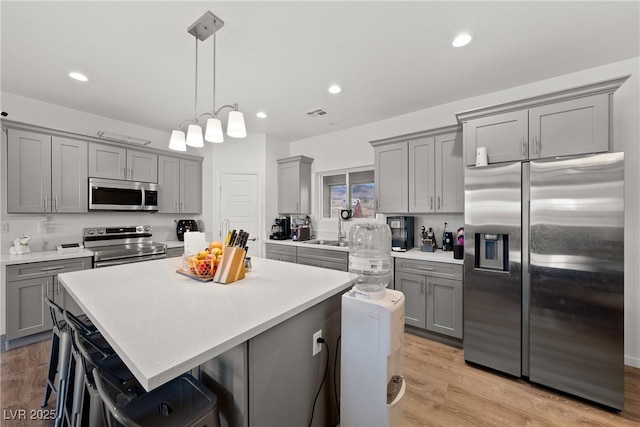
281, 257
280, 249
324, 254
47, 268
430, 268
174, 252
333, 265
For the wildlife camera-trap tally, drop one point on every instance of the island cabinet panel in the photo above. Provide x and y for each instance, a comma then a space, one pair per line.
433, 292
27, 286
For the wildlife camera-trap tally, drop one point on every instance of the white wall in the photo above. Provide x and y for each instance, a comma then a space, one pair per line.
350, 148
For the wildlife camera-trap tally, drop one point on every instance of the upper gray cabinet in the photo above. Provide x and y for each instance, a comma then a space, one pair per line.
107, 161
294, 185
180, 182
420, 173
574, 121
45, 173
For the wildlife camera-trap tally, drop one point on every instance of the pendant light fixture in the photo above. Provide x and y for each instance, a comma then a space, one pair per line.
204, 27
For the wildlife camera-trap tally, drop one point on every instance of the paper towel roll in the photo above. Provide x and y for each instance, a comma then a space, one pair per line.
194, 242
481, 156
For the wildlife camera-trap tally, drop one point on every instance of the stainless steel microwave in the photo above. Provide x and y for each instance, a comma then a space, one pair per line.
118, 195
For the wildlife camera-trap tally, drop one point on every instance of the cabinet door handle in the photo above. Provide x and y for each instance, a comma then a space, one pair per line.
55, 199
438, 202
425, 268
431, 202
58, 287
60, 267
376, 202
524, 147
181, 206
539, 142
46, 288
422, 287
430, 288
46, 203
296, 207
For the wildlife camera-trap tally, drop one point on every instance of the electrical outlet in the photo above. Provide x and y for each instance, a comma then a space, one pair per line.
317, 347
4, 227
174, 222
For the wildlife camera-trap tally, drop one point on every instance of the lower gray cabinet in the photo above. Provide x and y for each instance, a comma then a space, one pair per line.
325, 258
444, 306
175, 252
281, 252
433, 295
27, 286
412, 286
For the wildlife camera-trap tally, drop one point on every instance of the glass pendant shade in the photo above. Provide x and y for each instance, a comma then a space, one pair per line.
177, 141
194, 136
214, 130
235, 127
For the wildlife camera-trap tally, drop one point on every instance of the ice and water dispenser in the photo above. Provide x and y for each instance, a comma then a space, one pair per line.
492, 251
372, 386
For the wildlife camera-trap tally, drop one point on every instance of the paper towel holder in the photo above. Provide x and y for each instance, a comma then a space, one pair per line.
481, 156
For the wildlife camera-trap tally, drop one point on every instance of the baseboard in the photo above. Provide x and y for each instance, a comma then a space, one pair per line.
632, 361
433, 336
6, 345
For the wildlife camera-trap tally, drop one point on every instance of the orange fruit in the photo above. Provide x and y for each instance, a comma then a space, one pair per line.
216, 244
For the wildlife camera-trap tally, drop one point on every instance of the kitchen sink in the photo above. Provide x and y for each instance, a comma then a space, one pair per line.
326, 242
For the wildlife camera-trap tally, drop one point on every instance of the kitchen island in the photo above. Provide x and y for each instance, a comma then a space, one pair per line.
163, 324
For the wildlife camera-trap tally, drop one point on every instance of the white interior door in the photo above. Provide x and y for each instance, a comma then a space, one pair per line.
239, 205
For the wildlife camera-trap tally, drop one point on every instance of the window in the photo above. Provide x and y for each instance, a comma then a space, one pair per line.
352, 188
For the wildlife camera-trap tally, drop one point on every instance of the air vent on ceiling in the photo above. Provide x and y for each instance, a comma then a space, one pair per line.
316, 113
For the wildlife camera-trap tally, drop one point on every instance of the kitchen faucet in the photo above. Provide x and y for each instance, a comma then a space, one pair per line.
341, 234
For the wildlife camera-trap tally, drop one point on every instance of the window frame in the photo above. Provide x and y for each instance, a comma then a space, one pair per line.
346, 172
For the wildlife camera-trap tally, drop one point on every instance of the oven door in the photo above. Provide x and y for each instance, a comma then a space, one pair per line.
120, 261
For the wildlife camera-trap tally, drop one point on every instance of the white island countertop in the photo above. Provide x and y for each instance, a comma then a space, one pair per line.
163, 324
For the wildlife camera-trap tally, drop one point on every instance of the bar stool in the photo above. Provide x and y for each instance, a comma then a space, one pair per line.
183, 402
89, 350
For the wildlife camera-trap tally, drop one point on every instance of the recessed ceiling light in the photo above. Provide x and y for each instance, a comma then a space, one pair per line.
461, 40
261, 114
335, 89
78, 76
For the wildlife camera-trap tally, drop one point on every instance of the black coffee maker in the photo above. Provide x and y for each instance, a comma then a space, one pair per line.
281, 230
185, 225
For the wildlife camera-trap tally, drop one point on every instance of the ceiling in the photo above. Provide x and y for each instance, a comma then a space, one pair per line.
390, 58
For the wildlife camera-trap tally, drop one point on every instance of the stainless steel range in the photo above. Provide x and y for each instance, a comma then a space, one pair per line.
122, 245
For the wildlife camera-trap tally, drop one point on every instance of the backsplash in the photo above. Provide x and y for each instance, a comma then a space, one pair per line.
47, 231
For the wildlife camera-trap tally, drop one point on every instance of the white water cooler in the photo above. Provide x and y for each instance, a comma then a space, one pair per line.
372, 386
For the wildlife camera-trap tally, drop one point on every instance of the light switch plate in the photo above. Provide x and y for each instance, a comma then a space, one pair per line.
4, 227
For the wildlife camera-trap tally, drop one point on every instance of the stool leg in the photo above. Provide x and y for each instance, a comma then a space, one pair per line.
53, 367
78, 391
63, 376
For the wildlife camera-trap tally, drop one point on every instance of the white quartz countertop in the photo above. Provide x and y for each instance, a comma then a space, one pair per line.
415, 253
44, 256
163, 324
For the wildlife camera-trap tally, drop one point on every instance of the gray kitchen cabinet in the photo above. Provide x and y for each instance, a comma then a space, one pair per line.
444, 306
280, 252
48, 173
180, 182
433, 295
294, 185
436, 173
413, 288
570, 122
325, 258
26, 287
391, 177
112, 162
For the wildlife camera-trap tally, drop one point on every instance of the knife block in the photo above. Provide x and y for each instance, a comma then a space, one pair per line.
231, 267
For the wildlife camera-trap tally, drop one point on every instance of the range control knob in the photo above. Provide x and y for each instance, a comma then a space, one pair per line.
91, 232
147, 228
139, 229
101, 231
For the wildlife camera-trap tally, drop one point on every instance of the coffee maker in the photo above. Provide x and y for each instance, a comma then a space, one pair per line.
401, 232
281, 230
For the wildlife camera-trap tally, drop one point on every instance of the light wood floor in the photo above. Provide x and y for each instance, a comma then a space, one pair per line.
441, 391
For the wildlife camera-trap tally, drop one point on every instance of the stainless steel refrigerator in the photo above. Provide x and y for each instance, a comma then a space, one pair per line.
544, 273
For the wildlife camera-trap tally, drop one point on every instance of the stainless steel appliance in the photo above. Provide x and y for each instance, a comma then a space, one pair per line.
122, 245
281, 230
185, 225
401, 232
118, 195
544, 273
